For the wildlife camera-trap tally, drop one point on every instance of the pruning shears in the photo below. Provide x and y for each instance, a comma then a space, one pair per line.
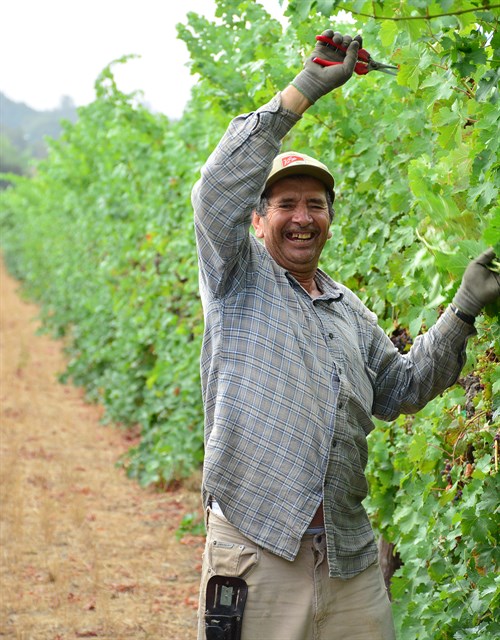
365, 62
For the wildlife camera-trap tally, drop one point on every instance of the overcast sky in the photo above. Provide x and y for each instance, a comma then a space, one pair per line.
51, 48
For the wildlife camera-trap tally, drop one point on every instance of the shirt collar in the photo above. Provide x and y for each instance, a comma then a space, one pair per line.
331, 290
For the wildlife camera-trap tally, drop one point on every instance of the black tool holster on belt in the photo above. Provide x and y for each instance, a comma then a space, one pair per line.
225, 603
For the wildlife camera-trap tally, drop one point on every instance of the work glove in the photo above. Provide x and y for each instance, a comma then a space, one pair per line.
315, 80
480, 285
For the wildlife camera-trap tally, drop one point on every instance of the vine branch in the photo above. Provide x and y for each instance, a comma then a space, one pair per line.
427, 17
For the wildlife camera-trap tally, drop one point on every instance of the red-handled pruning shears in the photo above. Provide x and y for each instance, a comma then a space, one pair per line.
365, 62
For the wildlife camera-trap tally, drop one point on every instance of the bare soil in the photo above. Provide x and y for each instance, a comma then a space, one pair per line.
84, 551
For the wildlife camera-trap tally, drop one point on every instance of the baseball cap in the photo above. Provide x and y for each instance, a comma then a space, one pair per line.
293, 163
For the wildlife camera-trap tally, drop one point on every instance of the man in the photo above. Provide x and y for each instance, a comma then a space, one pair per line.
293, 368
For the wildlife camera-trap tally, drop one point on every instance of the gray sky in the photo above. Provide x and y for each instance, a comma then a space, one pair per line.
51, 48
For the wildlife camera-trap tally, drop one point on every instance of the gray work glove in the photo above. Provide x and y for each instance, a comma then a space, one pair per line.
314, 80
480, 285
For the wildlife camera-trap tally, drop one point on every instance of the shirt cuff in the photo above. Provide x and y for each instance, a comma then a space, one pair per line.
453, 329
276, 117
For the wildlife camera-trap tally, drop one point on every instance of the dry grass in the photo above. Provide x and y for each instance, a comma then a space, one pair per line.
84, 552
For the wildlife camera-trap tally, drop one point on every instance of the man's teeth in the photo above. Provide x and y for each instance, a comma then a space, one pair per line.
302, 236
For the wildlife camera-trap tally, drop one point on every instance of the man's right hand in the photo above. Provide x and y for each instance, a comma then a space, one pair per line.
315, 80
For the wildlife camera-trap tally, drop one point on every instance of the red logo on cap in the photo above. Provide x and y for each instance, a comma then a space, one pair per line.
289, 159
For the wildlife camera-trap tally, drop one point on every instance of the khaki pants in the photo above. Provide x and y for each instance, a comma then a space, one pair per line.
295, 600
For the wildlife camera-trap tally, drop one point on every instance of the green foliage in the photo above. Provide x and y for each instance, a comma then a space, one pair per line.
102, 236
190, 525
12, 160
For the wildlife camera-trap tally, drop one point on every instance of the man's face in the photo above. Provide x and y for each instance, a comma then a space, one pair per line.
297, 223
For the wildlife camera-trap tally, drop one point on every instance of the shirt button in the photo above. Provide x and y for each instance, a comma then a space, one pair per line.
341, 404
334, 444
330, 335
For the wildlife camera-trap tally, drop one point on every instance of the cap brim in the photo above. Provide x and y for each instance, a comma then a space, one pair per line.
303, 169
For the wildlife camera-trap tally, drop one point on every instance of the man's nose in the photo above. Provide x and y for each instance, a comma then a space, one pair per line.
301, 214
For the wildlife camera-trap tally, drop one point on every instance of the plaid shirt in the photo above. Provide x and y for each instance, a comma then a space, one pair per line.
290, 383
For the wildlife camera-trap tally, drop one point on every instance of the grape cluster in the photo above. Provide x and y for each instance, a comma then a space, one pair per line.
446, 473
401, 339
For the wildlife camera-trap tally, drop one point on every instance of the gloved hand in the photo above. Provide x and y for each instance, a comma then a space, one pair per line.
315, 80
480, 285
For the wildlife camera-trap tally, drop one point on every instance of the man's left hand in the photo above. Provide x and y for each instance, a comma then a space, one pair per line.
480, 285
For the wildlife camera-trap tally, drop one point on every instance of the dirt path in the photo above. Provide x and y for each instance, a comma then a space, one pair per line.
84, 552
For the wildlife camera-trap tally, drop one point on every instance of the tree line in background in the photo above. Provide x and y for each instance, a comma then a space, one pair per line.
24, 131
102, 236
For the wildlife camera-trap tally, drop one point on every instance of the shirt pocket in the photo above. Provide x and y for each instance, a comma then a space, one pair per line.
233, 559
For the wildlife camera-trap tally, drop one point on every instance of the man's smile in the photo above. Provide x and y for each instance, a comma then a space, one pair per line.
300, 236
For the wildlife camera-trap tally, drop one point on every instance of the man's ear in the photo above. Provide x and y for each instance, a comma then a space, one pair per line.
257, 225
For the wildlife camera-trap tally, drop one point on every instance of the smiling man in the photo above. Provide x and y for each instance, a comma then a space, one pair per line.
295, 215
293, 368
